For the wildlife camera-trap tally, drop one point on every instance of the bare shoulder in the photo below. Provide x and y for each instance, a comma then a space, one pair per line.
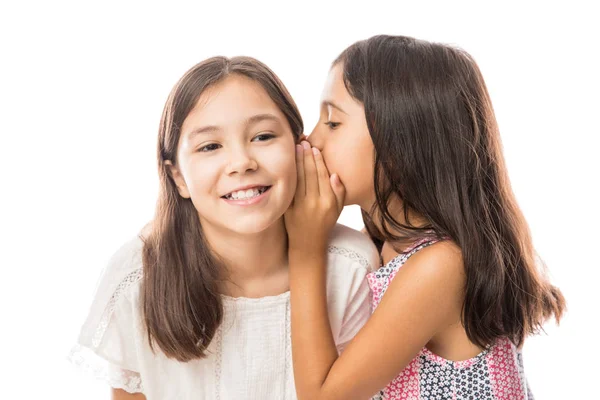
443, 250
349, 244
430, 285
441, 261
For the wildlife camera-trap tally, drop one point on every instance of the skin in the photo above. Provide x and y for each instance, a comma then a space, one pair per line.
245, 140
249, 142
422, 306
342, 136
120, 394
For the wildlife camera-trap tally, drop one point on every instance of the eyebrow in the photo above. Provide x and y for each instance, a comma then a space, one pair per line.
204, 129
332, 104
250, 121
261, 117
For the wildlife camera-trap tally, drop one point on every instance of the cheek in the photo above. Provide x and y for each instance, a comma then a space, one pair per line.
352, 160
281, 163
333, 154
343, 155
201, 177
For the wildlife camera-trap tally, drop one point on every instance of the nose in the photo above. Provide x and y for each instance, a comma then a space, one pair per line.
241, 161
315, 139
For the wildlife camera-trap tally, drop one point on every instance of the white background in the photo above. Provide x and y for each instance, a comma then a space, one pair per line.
82, 86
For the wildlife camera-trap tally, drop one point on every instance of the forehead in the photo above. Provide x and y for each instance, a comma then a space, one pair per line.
334, 85
335, 93
230, 102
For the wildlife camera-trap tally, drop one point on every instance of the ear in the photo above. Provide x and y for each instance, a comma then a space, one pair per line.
302, 137
178, 179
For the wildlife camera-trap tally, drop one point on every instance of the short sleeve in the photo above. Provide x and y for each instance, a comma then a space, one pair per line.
107, 344
352, 256
358, 309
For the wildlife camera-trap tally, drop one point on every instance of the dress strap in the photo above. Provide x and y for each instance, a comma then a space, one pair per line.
421, 243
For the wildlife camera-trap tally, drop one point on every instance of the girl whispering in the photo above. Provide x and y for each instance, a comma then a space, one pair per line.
198, 306
408, 132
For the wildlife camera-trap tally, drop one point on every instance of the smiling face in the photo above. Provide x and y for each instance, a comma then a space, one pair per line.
343, 137
236, 158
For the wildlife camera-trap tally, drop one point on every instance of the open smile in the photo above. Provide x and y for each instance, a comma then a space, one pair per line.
247, 196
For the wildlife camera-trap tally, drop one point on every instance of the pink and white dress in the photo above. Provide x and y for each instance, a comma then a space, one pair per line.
495, 373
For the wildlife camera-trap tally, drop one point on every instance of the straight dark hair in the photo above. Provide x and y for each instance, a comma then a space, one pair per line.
182, 306
438, 150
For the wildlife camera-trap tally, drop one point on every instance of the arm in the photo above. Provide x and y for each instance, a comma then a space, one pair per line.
424, 298
120, 394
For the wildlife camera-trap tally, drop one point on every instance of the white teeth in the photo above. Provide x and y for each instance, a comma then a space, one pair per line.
245, 194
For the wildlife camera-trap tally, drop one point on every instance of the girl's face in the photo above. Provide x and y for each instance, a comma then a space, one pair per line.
236, 158
343, 137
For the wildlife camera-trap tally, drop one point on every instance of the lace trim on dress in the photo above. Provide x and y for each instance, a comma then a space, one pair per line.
129, 280
88, 361
289, 373
218, 361
118, 378
349, 254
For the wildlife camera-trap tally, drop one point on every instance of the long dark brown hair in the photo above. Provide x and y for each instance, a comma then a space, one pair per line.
438, 149
182, 307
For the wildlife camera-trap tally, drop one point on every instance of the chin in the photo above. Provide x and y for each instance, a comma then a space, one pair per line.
349, 199
253, 226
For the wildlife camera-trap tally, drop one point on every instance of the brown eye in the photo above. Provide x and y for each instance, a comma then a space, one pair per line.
263, 137
209, 147
332, 125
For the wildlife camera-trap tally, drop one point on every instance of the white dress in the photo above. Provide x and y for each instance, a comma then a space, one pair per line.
250, 355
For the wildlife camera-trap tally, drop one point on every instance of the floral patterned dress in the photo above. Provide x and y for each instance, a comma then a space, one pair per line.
495, 373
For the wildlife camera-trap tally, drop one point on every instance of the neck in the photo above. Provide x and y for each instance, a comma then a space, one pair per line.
396, 209
256, 263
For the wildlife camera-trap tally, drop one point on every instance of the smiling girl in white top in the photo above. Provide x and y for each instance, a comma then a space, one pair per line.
197, 306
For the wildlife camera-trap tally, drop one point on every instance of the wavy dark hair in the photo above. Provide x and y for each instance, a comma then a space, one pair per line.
182, 307
438, 149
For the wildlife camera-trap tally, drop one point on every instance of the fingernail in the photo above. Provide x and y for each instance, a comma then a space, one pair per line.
299, 149
306, 145
315, 151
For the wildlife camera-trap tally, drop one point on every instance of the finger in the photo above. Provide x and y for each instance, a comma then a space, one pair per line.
301, 188
302, 138
339, 190
322, 173
310, 171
